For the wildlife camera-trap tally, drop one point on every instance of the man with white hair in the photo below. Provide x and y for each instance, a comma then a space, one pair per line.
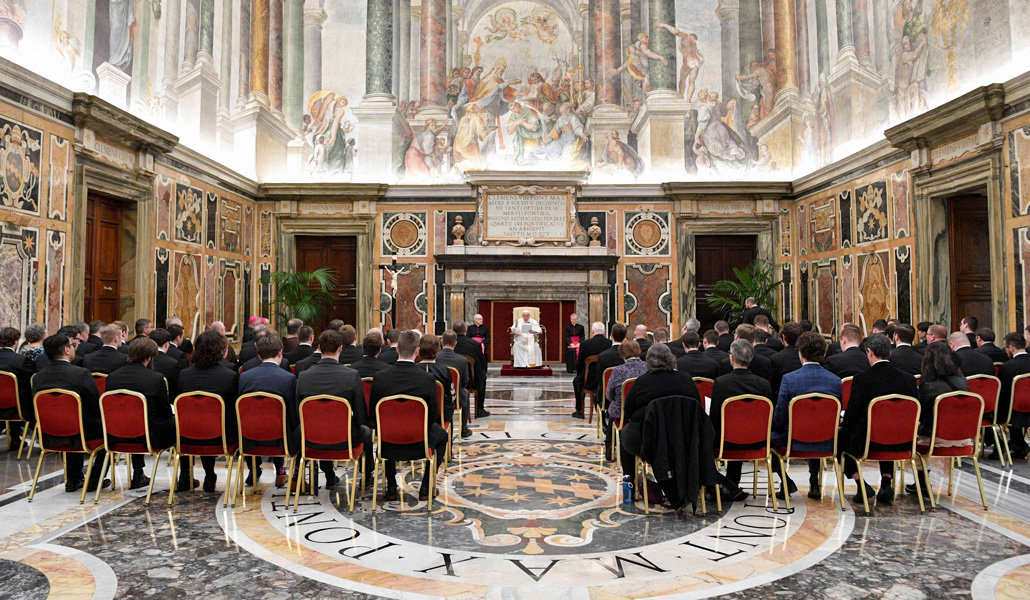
526, 349
970, 361
480, 333
230, 354
592, 347
186, 346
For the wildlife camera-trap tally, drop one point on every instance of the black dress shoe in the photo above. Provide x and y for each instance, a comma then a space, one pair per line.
791, 488
886, 494
733, 493
1020, 454
250, 477
391, 495
425, 496
466, 433
911, 489
93, 485
139, 479
577, 415
482, 413
332, 480
183, 485
815, 491
72, 486
209, 483
869, 492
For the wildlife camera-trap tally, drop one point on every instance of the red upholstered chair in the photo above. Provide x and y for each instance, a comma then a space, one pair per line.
704, 387
261, 418
293, 369
200, 419
988, 387
589, 365
892, 420
845, 396
618, 425
59, 414
366, 388
747, 419
812, 418
124, 415
325, 422
997, 367
602, 404
403, 419
9, 399
448, 426
101, 380
956, 418
1020, 399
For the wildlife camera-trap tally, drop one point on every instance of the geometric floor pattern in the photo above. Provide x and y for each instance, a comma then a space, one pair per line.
528, 509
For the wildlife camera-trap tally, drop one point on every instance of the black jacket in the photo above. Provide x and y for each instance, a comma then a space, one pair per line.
368, 366
168, 368
587, 348
765, 350
677, 348
328, 376
754, 311
66, 376
307, 363
651, 386
247, 351
677, 442
908, 359
574, 330
606, 360
775, 343
299, 353
350, 354
973, 362
124, 348
785, 361
993, 352
137, 378
22, 368
644, 345
735, 383
878, 380
1008, 371
186, 345
85, 348
714, 353
760, 366
96, 341
218, 380
43, 362
725, 339
696, 364
405, 378
849, 363
479, 331
250, 364
388, 355
467, 346
105, 360
178, 355
450, 358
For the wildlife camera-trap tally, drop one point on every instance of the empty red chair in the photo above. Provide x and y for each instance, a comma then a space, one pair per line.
325, 434
845, 388
200, 430
403, 419
124, 415
704, 387
101, 380
261, 419
988, 387
813, 418
892, 421
10, 400
956, 418
747, 419
59, 415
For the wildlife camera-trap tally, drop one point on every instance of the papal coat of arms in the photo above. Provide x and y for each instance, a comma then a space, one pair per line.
20, 155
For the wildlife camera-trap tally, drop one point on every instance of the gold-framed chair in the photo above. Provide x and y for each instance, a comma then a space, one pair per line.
125, 416
10, 398
811, 418
618, 425
323, 419
748, 426
261, 417
402, 426
199, 418
956, 417
54, 408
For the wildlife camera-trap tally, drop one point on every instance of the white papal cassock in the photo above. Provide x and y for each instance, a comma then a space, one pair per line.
526, 351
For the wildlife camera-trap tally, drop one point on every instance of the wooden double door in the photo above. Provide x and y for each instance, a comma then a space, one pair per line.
968, 233
102, 296
340, 255
715, 257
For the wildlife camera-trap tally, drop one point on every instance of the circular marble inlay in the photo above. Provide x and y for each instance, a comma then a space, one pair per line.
540, 492
647, 234
22, 581
404, 234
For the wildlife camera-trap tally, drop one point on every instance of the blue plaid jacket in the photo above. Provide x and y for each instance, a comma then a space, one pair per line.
810, 378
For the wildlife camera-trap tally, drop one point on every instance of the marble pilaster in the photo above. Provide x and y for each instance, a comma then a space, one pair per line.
275, 54
845, 36
457, 44
191, 39
659, 127
314, 18
856, 91
245, 58
381, 128
449, 42
591, 39
879, 35
626, 37
636, 16
860, 31
259, 45
433, 53
603, 119
197, 91
804, 70
225, 79
171, 59
260, 140
395, 55
293, 63
112, 84
404, 57
784, 128
139, 101
768, 27
728, 12
379, 49
206, 50
822, 38
607, 33
786, 50
663, 43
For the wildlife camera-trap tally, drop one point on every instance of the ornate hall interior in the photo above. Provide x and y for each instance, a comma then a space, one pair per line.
174, 161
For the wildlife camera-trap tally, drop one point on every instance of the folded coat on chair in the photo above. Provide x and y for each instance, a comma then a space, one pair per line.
677, 441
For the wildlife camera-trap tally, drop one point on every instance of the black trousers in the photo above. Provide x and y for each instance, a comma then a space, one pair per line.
437, 441
93, 429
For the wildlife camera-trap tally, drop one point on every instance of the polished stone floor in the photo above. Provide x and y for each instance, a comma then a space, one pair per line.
528, 508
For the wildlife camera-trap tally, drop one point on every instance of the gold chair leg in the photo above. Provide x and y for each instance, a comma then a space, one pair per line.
241, 483
926, 478
1005, 444
861, 487
839, 476
432, 482
103, 464
354, 482
21, 446
296, 497
89, 471
39, 465
128, 471
979, 482
153, 477
783, 484
900, 487
171, 487
617, 441
922, 507
375, 482
704, 509
718, 498
229, 460
32, 442
362, 475
754, 480
772, 492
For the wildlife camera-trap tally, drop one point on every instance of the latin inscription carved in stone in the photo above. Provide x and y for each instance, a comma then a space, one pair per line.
543, 217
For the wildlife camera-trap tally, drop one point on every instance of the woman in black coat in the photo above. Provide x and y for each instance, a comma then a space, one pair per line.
940, 374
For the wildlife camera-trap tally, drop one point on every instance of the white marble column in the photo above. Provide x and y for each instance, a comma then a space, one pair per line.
449, 42
225, 78
404, 55
293, 62
171, 58
314, 17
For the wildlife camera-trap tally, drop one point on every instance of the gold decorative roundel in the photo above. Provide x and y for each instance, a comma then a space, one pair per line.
647, 234
404, 234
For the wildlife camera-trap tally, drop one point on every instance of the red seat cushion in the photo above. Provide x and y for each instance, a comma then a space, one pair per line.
756, 454
782, 450
91, 445
889, 455
966, 450
130, 448
196, 450
334, 454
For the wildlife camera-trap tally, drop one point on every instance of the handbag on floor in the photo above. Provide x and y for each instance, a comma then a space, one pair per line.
652, 491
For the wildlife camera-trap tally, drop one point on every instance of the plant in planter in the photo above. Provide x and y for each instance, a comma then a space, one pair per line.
757, 280
302, 294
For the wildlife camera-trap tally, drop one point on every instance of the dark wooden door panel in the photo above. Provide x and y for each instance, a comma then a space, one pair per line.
715, 257
970, 255
339, 254
103, 263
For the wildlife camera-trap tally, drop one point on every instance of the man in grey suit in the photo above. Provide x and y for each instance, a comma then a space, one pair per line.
449, 358
328, 376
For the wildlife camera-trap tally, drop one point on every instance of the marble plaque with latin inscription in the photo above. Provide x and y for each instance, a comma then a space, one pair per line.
542, 217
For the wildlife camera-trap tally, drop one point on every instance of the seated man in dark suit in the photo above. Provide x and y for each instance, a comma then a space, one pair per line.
255, 361
292, 338
63, 375
405, 378
661, 336
143, 329
725, 337
350, 352
304, 348
811, 378
139, 376
786, 360
468, 347
694, 362
22, 368
208, 374
970, 361
1018, 364
94, 334
588, 381
710, 344
389, 352
922, 328
71, 333
880, 379
107, 359
762, 344
328, 376
271, 378
968, 326
175, 335
164, 364
851, 360
753, 310
610, 358
369, 364
85, 346
762, 324
640, 337
449, 358
905, 356
759, 364
985, 340
184, 344
737, 382
230, 354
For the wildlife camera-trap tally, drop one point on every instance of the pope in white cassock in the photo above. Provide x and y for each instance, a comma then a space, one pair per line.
526, 351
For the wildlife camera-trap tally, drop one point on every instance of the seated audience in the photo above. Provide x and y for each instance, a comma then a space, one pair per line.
303, 348
184, 344
970, 361
350, 352
208, 374
470, 348
761, 345
85, 346
922, 328
33, 346
1018, 364
725, 337
22, 368
230, 355
255, 360
632, 367
389, 352
710, 346
762, 323
694, 362
107, 359
759, 365
371, 348
143, 328
248, 349
269, 377
851, 360
811, 378
938, 375
985, 345
164, 364
786, 360
428, 346
610, 358
449, 358
175, 336
94, 334
640, 337
968, 326
594, 346
292, 338
737, 382
661, 336
405, 378
904, 356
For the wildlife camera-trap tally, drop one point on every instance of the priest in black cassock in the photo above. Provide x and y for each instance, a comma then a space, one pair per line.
574, 334
480, 333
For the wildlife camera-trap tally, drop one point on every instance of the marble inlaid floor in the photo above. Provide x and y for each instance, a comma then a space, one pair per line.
528, 508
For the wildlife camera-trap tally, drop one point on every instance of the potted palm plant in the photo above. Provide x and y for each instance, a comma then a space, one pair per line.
301, 294
757, 280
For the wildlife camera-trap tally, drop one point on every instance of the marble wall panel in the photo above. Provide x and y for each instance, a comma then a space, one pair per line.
164, 192
825, 295
847, 289
59, 175
248, 230
803, 305
846, 226
441, 233
230, 281
19, 264
162, 265
265, 234
786, 246
1019, 170
874, 289
412, 300
647, 233
1022, 254
786, 292
871, 210
186, 297
648, 297
210, 290
21, 154
824, 225
189, 219
803, 230
611, 231
54, 292
901, 200
903, 283
404, 234
245, 292
264, 289
231, 225
211, 221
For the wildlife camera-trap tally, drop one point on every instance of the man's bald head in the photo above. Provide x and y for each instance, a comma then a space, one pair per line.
958, 340
597, 328
640, 332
